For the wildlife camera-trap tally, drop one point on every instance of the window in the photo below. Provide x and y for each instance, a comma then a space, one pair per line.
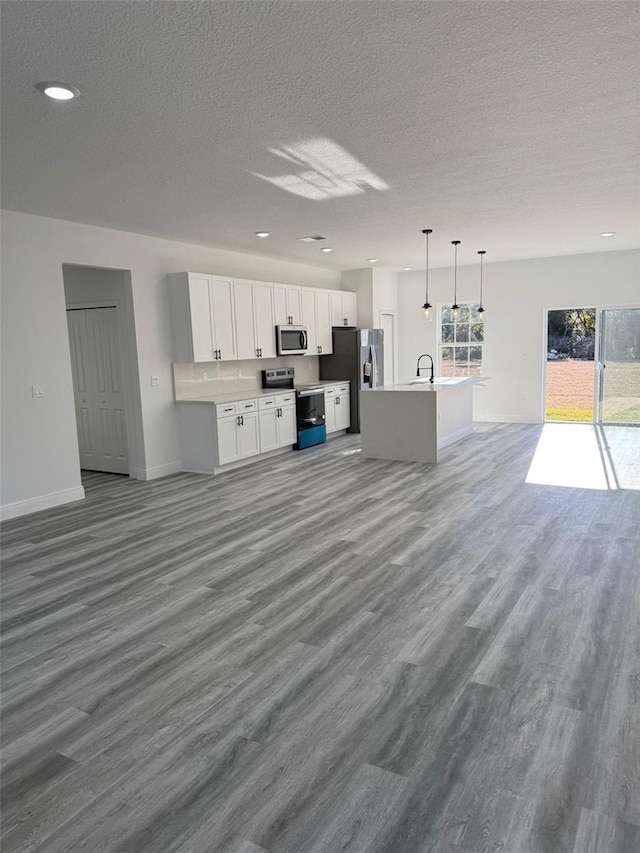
461, 341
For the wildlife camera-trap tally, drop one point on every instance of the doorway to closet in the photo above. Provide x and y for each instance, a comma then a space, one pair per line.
99, 321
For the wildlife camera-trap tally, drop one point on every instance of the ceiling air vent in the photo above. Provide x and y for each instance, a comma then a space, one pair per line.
314, 238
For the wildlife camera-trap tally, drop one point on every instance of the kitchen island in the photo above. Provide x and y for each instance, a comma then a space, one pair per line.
411, 422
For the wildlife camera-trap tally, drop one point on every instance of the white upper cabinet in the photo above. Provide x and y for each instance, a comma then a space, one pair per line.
263, 319
224, 332
255, 323
343, 308
323, 320
200, 311
214, 318
316, 316
287, 303
202, 318
349, 308
243, 297
308, 303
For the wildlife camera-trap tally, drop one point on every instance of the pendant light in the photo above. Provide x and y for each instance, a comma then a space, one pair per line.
427, 305
482, 253
455, 308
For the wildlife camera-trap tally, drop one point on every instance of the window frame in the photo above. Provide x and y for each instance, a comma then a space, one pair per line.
454, 344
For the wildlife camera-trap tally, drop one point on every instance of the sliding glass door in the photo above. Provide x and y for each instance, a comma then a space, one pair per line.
618, 366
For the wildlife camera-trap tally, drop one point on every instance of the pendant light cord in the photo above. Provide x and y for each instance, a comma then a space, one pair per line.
426, 232
482, 253
455, 243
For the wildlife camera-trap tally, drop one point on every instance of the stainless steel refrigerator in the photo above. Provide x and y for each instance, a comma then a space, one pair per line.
358, 355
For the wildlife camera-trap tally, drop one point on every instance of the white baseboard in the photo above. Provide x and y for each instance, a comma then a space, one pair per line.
158, 471
241, 463
14, 510
505, 419
455, 436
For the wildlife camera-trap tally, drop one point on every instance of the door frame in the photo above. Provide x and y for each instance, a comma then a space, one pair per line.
596, 358
394, 316
129, 367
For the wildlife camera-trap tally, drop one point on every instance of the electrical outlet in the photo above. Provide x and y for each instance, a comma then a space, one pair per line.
155, 380
205, 375
37, 390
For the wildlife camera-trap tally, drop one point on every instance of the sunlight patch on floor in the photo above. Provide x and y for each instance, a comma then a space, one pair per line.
571, 455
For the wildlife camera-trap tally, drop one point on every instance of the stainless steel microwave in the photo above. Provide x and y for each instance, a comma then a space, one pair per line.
291, 340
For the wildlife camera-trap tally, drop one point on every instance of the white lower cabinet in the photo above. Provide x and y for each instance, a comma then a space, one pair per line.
337, 400
342, 406
238, 434
277, 422
238, 438
213, 435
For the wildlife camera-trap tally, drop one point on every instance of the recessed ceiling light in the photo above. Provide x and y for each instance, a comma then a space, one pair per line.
372, 260
58, 91
607, 233
406, 269
326, 249
263, 233
313, 238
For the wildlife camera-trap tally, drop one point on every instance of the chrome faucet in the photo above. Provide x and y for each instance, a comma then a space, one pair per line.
425, 355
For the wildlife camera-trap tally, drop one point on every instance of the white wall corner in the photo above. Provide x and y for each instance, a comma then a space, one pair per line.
158, 471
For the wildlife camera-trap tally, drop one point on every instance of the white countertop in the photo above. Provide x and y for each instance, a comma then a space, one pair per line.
255, 393
442, 383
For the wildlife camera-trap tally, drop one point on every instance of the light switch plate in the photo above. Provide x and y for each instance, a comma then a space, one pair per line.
37, 390
155, 380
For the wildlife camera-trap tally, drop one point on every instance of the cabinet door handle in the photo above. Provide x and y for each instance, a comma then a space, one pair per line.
345, 322
337, 401
241, 420
260, 352
219, 355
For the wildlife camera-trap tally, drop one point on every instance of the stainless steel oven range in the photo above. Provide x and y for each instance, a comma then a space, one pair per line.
310, 411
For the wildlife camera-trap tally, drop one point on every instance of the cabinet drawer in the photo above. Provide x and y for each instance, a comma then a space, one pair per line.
343, 389
267, 403
226, 409
286, 399
330, 392
223, 410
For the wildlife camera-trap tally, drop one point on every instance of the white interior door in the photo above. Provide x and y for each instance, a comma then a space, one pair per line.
388, 325
97, 383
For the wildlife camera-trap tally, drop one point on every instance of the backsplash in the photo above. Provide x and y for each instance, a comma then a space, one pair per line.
207, 379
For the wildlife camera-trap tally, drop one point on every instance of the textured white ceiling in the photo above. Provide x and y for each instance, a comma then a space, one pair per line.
512, 126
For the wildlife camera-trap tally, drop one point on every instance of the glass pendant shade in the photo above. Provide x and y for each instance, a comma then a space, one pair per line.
427, 305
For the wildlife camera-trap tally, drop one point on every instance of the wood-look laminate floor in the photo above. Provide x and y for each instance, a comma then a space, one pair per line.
324, 653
